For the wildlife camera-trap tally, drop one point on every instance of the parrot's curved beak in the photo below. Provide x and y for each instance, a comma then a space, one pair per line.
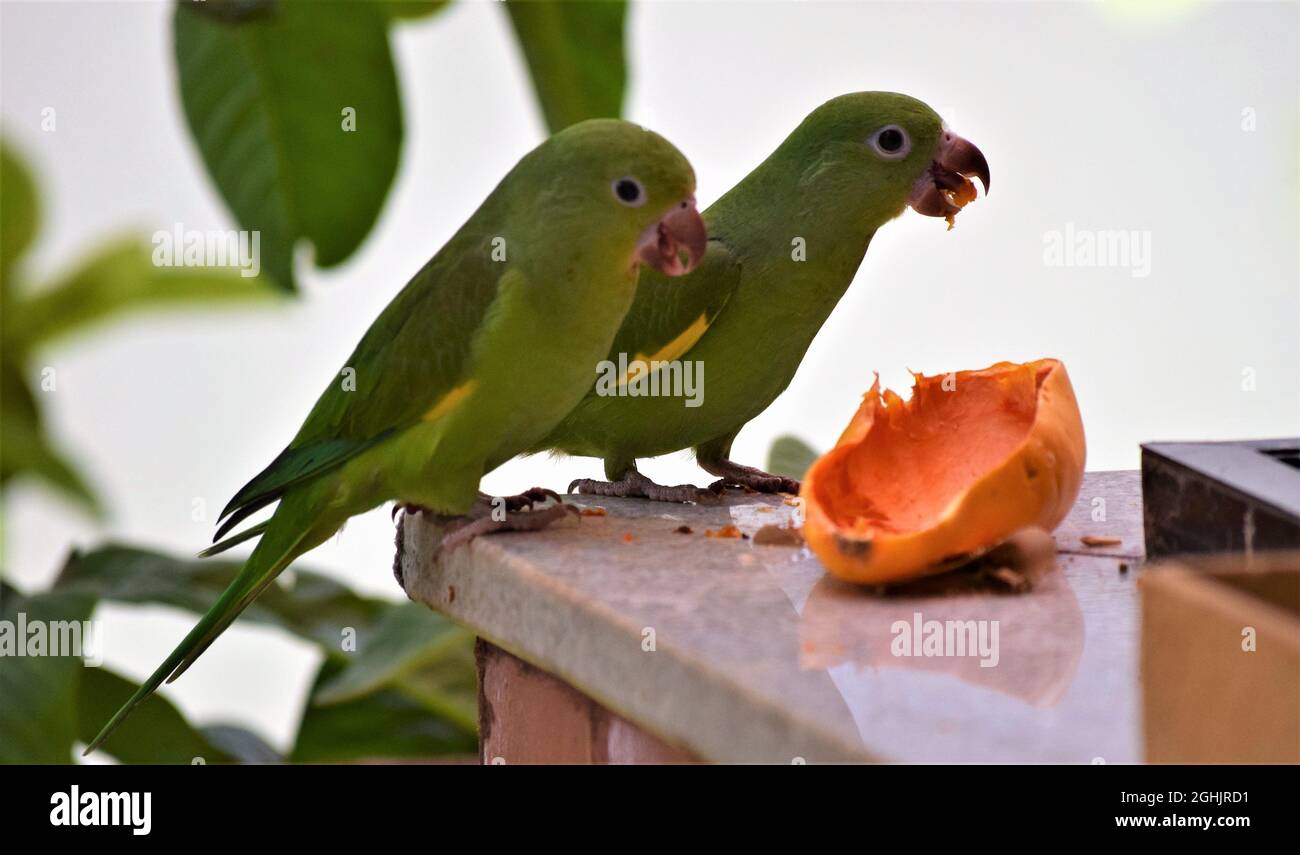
945, 186
680, 232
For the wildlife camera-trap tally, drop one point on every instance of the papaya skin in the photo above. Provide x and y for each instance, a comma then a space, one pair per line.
972, 472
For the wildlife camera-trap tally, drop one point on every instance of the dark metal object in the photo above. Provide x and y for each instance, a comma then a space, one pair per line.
1221, 496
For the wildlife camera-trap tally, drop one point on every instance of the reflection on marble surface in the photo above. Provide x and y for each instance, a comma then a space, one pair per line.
1024, 645
948, 707
759, 656
853, 633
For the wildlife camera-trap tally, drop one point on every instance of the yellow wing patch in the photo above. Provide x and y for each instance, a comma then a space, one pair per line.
670, 351
451, 400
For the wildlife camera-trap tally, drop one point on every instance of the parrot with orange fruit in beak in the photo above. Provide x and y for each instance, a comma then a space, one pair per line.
784, 244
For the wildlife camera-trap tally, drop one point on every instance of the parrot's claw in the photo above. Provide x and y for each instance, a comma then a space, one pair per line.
397, 557
735, 475
466, 528
399, 507
635, 485
527, 499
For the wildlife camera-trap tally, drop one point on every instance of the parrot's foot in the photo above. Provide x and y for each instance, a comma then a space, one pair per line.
526, 499
466, 528
635, 485
397, 557
735, 475
403, 507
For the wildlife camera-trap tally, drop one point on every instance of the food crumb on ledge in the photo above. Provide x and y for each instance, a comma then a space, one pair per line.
778, 535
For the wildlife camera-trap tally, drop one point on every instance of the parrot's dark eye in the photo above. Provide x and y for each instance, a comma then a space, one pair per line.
629, 192
891, 142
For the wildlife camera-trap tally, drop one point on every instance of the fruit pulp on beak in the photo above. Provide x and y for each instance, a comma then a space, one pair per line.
681, 232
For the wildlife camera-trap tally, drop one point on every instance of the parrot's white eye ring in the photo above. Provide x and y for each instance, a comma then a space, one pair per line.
628, 191
891, 143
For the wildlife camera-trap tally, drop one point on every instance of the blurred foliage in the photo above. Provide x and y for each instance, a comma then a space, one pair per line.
574, 50
296, 111
39, 694
388, 723
411, 673
414, 9
269, 97
791, 457
118, 279
156, 733
397, 681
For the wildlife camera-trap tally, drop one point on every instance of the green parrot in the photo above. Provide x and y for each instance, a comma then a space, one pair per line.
784, 244
482, 353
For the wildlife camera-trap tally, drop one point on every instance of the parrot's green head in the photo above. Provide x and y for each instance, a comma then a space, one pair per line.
622, 192
877, 152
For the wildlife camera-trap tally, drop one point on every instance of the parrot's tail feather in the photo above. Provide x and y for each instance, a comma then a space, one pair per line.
294, 466
217, 629
266, 562
235, 540
242, 514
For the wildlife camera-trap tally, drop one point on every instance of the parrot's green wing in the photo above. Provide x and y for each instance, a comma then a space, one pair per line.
669, 315
294, 465
468, 320
413, 355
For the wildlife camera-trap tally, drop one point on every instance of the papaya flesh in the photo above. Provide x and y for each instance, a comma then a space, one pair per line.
917, 487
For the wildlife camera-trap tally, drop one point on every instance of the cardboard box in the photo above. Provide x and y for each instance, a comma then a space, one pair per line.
1221, 659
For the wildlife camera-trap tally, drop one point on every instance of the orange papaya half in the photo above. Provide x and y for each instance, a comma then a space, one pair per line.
917, 487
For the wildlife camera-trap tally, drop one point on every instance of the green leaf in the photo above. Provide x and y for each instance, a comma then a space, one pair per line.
433, 674
26, 450
122, 277
574, 50
155, 733
410, 10
446, 685
407, 637
38, 694
19, 213
235, 10
383, 725
265, 93
791, 457
313, 606
240, 744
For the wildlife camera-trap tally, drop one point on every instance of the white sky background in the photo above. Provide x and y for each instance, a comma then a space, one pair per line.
1089, 114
